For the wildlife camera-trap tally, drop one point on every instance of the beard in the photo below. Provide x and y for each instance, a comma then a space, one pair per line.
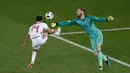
79, 15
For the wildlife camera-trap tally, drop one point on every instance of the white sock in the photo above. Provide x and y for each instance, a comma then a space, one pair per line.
34, 54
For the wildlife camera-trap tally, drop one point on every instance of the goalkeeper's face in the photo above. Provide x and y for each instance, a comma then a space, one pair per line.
79, 12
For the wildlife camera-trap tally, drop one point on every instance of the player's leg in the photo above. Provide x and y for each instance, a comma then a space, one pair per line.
36, 46
53, 31
100, 55
34, 54
58, 31
96, 47
99, 43
96, 52
93, 45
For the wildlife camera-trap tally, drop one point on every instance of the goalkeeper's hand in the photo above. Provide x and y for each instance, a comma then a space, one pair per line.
109, 18
53, 24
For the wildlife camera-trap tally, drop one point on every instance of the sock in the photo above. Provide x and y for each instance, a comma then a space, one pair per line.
100, 58
34, 53
104, 57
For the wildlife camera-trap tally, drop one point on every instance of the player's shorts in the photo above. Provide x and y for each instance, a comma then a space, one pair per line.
37, 42
96, 41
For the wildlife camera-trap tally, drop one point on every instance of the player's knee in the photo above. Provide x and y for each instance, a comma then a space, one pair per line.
35, 50
43, 41
98, 47
36, 47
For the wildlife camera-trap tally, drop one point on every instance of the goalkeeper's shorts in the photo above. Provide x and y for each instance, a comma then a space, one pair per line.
96, 41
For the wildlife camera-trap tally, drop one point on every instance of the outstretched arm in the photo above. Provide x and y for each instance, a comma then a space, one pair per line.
94, 18
109, 18
25, 40
66, 23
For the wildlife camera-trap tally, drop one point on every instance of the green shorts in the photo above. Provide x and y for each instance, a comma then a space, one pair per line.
96, 41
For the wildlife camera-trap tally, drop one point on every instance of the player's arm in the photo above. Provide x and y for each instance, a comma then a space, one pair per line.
27, 37
109, 18
25, 40
66, 23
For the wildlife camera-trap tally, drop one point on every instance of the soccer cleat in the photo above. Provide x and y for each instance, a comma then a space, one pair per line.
30, 65
100, 68
58, 31
108, 62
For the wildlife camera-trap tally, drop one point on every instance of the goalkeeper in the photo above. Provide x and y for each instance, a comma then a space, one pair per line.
96, 37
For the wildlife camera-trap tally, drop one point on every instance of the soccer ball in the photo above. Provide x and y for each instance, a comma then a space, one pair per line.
49, 15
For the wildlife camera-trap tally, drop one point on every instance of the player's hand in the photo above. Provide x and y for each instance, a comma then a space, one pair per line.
24, 45
53, 24
109, 18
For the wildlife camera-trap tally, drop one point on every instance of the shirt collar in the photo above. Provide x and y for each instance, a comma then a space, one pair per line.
83, 19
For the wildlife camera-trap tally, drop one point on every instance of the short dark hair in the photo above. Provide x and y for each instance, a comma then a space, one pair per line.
39, 18
83, 9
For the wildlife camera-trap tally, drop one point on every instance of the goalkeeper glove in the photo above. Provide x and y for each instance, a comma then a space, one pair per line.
53, 24
109, 18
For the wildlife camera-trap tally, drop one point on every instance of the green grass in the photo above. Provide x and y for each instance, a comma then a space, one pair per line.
57, 56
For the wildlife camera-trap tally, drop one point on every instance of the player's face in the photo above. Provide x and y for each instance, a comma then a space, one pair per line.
79, 12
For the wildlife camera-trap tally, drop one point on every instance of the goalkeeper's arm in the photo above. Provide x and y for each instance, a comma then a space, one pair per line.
109, 18
66, 23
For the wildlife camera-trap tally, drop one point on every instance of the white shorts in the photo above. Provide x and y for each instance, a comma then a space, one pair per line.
37, 42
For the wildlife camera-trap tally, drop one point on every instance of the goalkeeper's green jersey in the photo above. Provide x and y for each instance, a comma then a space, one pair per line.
87, 24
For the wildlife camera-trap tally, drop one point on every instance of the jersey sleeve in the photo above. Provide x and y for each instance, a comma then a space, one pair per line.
94, 18
74, 21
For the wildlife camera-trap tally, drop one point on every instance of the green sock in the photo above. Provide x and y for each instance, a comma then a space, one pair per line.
100, 58
104, 57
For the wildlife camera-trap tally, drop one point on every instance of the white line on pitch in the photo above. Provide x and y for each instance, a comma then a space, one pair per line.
114, 29
88, 49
